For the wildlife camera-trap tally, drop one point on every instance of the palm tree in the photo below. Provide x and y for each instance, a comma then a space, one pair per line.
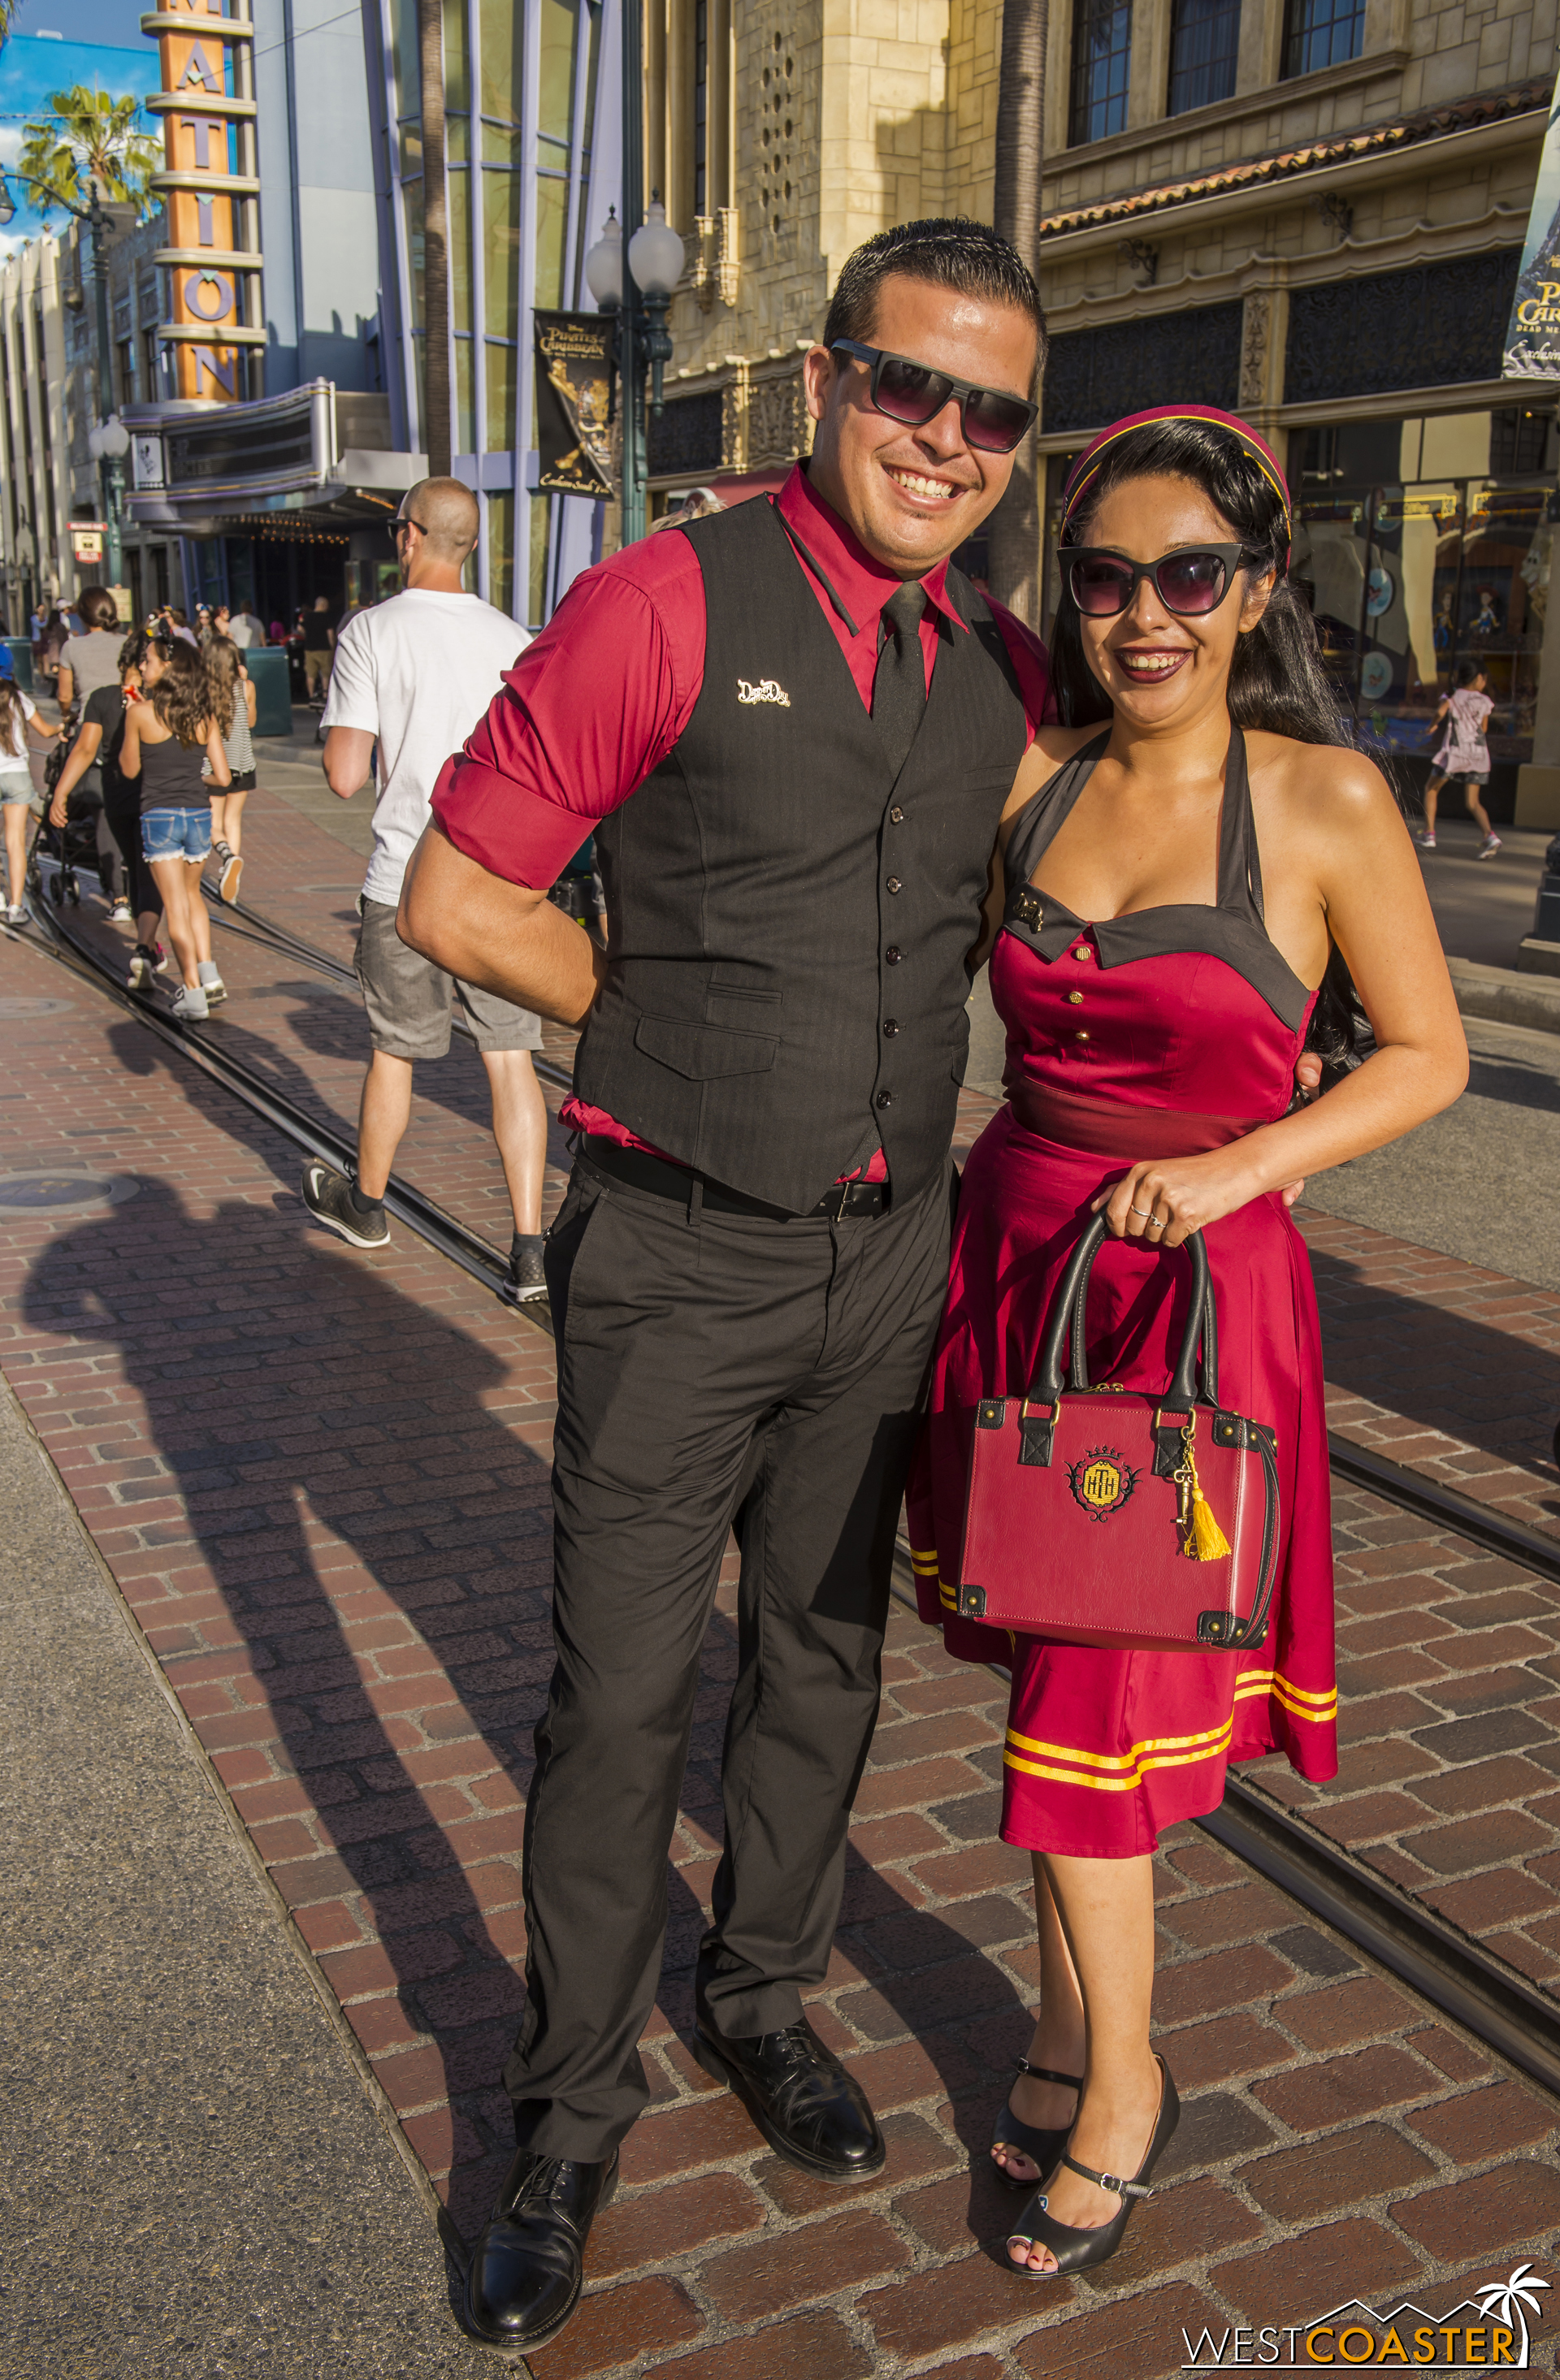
89, 145
435, 242
1511, 2302
1013, 534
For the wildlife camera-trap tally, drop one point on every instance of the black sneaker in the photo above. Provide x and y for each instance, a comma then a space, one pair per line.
526, 1279
328, 1197
142, 967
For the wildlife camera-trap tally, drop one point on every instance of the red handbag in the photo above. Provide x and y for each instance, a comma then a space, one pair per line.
1104, 1516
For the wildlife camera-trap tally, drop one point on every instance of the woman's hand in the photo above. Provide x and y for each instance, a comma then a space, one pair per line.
1165, 1199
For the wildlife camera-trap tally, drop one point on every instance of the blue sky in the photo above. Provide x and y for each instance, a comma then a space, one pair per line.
105, 46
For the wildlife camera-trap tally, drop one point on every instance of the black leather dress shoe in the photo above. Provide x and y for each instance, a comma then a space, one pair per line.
528, 2267
800, 2098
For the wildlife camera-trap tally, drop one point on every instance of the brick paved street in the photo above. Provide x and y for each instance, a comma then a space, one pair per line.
319, 1480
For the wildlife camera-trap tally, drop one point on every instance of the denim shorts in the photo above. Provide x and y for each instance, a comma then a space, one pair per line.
16, 785
177, 834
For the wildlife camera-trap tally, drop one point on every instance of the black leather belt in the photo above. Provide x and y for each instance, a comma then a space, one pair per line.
844, 1202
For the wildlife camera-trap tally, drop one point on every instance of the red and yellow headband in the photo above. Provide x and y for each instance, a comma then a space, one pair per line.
1256, 448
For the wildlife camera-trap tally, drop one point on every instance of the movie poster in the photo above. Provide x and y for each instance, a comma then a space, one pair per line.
573, 398
1532, 341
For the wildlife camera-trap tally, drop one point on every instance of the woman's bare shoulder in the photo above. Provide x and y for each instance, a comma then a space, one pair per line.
1052, 746
1323, 788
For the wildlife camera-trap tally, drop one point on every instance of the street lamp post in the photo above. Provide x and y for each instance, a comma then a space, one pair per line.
109, 450
646, 269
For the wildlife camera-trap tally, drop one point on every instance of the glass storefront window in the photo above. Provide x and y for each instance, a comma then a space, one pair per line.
457, 62
552, 231
501, 551
503, 364
502, 60
555, 100
501, 254
1442, 566
465, 403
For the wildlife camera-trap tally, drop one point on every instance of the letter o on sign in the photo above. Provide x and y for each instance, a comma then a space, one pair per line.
200, 287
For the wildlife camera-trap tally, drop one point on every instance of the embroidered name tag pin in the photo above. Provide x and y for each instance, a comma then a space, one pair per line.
768, 689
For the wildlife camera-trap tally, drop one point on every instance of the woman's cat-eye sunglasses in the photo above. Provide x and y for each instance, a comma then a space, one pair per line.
1193, 579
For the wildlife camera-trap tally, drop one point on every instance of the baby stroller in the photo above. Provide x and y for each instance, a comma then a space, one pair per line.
69, 847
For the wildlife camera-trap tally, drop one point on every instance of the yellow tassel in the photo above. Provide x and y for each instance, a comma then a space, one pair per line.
1205, 1540
1208, 1539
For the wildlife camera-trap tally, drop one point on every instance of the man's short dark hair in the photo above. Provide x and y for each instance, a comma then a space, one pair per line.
952, 252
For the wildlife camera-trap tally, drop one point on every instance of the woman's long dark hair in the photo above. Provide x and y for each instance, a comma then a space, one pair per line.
1276, 680
181, 697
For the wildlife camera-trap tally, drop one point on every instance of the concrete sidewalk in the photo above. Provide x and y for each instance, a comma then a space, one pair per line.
193, 2180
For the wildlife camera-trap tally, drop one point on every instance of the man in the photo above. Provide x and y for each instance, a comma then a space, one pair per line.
794, 728
319, 643
245, 629
412, 677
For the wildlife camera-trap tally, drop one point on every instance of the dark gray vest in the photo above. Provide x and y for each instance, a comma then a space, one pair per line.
788, 923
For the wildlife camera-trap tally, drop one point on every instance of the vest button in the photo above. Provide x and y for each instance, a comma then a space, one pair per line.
891, 1025
1080, 1036
886, 1098
896, 815
1075, 998
893, 954
894, 884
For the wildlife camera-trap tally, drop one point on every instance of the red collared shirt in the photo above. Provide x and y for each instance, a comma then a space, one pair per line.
599, 698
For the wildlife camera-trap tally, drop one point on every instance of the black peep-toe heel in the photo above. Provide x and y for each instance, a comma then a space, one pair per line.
1043, 2145
1074, 2249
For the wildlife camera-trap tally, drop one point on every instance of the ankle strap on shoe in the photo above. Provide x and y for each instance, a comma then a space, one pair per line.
1049, 2074
1115, 2182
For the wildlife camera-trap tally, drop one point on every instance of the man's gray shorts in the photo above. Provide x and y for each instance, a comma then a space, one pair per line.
410, 1001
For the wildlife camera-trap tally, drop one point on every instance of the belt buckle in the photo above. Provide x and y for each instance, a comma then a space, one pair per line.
845, 1189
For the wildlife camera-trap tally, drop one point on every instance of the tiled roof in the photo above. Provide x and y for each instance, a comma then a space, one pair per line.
1401, 132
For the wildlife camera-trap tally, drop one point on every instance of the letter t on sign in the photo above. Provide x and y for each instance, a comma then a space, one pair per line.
202, 128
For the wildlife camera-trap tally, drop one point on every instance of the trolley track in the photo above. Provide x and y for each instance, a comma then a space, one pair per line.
1442, 1965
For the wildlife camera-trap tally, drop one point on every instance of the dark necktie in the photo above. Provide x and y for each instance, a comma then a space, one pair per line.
899, 683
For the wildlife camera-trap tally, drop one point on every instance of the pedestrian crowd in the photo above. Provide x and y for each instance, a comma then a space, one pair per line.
749, 814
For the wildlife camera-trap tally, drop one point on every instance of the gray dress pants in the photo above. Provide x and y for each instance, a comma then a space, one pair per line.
713, 1371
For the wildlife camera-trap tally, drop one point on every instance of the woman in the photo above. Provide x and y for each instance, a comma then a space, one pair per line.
17, 713
1184, 867
92, 660
87, 663
233, 704
98, 746
168, 734
1462, 753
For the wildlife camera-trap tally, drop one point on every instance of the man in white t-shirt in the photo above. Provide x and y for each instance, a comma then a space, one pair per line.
412, 678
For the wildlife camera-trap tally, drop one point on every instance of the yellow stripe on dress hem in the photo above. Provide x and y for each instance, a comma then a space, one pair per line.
1215, 1751
1119, 1759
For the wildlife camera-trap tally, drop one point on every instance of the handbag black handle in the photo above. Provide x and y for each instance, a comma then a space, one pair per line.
1067, 1309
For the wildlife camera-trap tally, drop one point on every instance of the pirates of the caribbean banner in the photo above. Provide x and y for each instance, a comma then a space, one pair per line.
573, 393
1532, 342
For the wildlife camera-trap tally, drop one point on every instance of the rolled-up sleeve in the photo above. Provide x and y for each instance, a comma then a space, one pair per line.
590, 707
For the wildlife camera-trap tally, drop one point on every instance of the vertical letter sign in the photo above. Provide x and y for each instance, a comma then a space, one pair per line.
209, 184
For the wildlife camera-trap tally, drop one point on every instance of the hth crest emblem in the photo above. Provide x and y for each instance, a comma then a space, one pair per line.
1101, 1482
768, 689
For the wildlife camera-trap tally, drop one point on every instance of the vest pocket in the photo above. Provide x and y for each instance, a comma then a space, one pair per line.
704, 1052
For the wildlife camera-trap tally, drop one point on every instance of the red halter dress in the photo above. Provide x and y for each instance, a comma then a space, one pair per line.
1158, 1034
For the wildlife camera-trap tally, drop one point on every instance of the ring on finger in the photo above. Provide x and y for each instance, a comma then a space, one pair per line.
1146, 1212
1157, 1222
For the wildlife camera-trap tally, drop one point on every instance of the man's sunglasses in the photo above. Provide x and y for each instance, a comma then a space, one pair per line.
401, 521
1194, 578
914, 393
